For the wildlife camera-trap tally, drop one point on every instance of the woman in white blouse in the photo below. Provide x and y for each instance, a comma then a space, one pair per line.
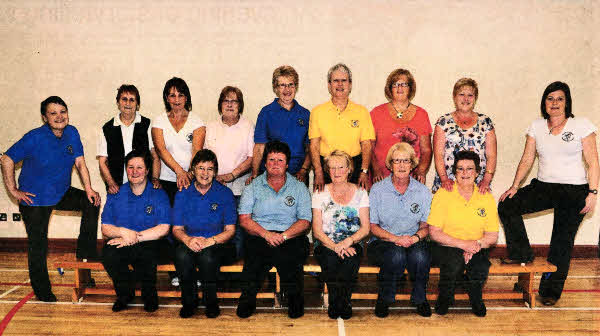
232, 139
340, 222
560, 141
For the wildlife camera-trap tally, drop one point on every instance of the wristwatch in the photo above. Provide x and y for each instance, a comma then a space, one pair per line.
284, 237
364, 170
593, 191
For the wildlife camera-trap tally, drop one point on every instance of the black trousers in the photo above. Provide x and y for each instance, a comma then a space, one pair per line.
356, 162
567, 200
143, 257
288, 258
208, 261
339, 274
37, 218
393, 260
170, 188
452, 265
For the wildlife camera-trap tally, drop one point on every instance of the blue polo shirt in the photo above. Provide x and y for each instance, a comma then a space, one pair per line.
137, 213
276, 211
276, 123
399, 214
47, 162
204, 215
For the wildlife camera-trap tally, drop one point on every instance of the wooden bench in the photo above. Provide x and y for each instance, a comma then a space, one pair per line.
523, 288
82, 276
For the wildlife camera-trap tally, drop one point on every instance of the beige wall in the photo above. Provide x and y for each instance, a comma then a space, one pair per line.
83, 51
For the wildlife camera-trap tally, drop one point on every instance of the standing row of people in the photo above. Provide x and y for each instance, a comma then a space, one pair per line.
337, 138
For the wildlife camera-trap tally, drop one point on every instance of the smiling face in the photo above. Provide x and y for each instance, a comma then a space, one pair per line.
466, 172
204, 173
230, 106
464, 100
401, 164
339, 86
176, 100
276, 165
136, 171
285, 90
338, 169
127, 103
555, 103
400, 91
57, 117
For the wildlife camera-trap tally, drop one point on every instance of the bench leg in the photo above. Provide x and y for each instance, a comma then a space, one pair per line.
79, 290
277, 302
526, 284
325, 296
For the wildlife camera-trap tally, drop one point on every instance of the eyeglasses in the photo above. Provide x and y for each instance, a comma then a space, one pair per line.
403, 161
230, 101
551, 99
289, 85
340, 81
468, 169
400, 84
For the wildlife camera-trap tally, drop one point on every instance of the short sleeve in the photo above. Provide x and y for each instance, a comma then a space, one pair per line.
247, 200
442, 121
488, 125
587, 127
531, 130
21, 149
164, 208
260, 131
177, 212
439, 209
317, 199
150, 142
250, 141
424, 123
230, 212
77, 145
426, 205
364, 199
493, 222
303, 210
374, 206
101, 147
313, 125
368, 131
159, 122
107, 213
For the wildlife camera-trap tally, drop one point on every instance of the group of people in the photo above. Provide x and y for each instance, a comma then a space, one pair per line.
203, 195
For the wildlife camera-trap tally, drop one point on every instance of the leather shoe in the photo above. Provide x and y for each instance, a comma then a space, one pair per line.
382, 309
441, 308
245, 309
332, 312
479, 309
345, 311
151, 306
187, 311
212, 310
47, 298
548, 301
295, 306
424, 309
121, 303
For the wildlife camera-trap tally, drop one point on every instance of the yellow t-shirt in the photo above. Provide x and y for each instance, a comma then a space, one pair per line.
343, 130
463, 219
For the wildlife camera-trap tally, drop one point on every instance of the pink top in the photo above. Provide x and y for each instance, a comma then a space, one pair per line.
389, 131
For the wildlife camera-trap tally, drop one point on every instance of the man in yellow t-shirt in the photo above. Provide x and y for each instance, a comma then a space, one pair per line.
343, 125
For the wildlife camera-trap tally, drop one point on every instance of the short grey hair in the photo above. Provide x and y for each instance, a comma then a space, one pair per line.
342, 67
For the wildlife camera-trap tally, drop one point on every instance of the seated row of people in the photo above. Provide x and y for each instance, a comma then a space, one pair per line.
275, 211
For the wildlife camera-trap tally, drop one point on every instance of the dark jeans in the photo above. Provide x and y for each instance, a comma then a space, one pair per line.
567, 200
356, 161
143, 257
288, 258
208, 261
452, 265
393, 260
340, 275
37, 218
239, 238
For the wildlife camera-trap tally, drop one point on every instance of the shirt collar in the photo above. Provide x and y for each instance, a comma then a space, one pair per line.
117, 120
390, 185
276, 101
263, 180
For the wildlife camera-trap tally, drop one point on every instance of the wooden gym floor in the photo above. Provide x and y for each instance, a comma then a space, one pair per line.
577, 313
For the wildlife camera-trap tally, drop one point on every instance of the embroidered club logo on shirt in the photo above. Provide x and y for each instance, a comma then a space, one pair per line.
354, 123
214, 206
481, 212
300, 122
189, 137
567, 136
290, 201
415, 208
148, 209
70, 149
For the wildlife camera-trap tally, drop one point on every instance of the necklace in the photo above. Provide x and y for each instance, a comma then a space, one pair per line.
400, 114
559, 125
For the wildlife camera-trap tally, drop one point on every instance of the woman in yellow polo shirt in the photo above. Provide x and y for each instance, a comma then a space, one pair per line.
464, 224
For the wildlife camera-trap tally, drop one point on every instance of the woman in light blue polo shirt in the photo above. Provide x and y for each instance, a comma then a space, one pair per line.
399, 209
204, 220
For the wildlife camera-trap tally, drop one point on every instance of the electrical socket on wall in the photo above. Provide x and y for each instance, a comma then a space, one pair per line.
3, 217
16, 217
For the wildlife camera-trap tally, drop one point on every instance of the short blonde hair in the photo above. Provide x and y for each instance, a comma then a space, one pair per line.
340, 154
393, 77
285, 71
402, 147
466, 82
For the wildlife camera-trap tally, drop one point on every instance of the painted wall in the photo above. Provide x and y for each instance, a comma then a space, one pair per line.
83, 50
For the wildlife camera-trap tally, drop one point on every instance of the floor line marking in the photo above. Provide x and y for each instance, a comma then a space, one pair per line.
341, 328
13, 311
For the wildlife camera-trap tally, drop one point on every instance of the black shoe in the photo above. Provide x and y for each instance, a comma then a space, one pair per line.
50, 297
212, 310
151, 306
479, 309
424, 309
295, 306
332, 312
382, 309
441, 307
245, 308
187, 311
509, 261
346, 311
121, 303
548, 301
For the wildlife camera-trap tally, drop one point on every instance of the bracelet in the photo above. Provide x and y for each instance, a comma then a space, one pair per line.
491, 172
418, 237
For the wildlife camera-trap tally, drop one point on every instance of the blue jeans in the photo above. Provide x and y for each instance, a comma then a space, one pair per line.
393, 260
